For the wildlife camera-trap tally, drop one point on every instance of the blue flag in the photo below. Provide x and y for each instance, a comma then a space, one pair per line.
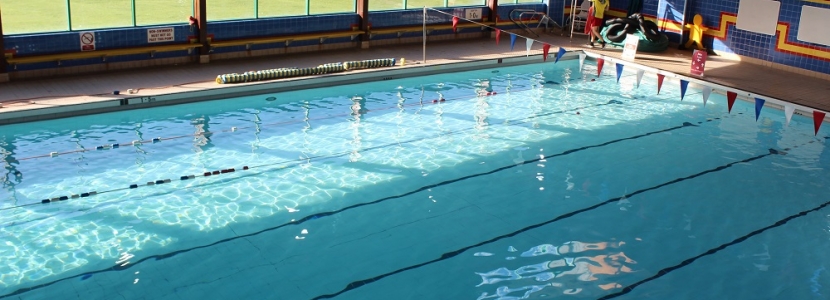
683, 85
759, 103
619, 71
512, 41
559, 55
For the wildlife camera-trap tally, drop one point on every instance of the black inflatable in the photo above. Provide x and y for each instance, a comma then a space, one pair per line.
618, 28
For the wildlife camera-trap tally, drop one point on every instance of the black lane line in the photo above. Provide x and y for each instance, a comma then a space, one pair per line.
687, 262
297, 162
448, 255
329, 213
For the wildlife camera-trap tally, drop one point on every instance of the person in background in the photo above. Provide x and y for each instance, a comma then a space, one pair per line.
595, 16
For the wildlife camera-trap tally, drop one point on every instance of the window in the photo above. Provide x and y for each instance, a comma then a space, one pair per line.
319, 7
230, 9
281, 8
91, 14
17, 16
152, 12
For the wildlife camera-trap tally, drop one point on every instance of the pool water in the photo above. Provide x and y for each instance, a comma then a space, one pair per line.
526, 182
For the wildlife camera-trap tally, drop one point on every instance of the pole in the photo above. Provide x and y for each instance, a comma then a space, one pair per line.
425, 37
363, 16
200, 8
256, 9
132, 7
3, 63
69, 15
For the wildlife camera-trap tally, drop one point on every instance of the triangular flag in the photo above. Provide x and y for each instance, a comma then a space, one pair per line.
683, 86
498, 36
707, 90
454, 24
545, 50
529, 44
730, 99
600, 63
582, 60
788, 113
512, 41
640, 76
818, 118
759, 103
660, 82
619, 71
560, 54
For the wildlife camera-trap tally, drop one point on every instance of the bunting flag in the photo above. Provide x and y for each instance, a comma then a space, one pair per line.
619, 71
581, 60
730, 99
529, 43
660, 82
788, 113
683, 86
600, 63
759, 103
498, 36
512, 41
818, 118
545, 51
560, 54
454, 24
640, 76
707, 90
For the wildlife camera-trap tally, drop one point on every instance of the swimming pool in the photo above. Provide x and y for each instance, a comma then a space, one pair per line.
524, 182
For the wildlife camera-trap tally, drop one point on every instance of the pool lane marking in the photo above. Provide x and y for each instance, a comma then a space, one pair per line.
292, 163
447, 255
717, 249
329, 213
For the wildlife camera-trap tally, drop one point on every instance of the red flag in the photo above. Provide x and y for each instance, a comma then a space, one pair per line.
818, 118
660, 82
730, 99
545, 50
454, 24
600, 63
498, 36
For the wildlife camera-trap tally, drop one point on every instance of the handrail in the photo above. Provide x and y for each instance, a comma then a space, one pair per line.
103, 54
418, 28
286, 38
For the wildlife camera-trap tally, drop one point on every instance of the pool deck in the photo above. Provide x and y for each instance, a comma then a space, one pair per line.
758, 78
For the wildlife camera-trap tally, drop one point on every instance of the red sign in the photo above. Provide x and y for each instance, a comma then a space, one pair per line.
87, 41
698, 62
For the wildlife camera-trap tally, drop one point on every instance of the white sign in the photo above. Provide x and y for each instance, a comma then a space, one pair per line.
472, 13
814, 17
630, 47
158, 35
759, 16
87, 41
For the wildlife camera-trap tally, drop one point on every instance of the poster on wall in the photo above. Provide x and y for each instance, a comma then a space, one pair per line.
87, 40
672, 11
812, 20
759, 16
158, 35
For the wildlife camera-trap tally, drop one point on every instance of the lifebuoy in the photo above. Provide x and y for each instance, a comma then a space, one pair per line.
616, 32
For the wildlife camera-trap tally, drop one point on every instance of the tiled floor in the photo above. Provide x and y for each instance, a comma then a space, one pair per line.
758, 79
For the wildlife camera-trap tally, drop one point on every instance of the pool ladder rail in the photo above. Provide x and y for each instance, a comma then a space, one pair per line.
526, 17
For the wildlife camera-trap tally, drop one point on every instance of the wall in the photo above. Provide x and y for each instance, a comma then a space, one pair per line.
120, 38
782, 48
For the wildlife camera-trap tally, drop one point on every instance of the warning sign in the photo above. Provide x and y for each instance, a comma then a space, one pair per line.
158, 35
630, 48
87, 41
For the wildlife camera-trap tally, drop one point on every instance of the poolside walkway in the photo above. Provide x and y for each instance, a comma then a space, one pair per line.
755, 78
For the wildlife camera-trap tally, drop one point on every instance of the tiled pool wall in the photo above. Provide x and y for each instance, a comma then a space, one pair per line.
120, 38
784, 52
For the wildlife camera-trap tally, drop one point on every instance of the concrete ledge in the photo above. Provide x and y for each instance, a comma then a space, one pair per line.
797, 70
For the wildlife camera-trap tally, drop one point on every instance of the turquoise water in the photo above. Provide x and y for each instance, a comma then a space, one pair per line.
558, 185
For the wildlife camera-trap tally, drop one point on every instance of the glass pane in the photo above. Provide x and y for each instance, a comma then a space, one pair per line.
385, 4
151, 12
529, 1
28, 16
421, 3
94, 14
281, 8
230, 9
467, 2
319, 7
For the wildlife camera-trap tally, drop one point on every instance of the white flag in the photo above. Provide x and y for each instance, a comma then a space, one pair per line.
707, 90
581, 60
640, 76
529, 44
788, 112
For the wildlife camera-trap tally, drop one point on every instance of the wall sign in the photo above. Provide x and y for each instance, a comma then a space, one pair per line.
87, 41
158, 35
